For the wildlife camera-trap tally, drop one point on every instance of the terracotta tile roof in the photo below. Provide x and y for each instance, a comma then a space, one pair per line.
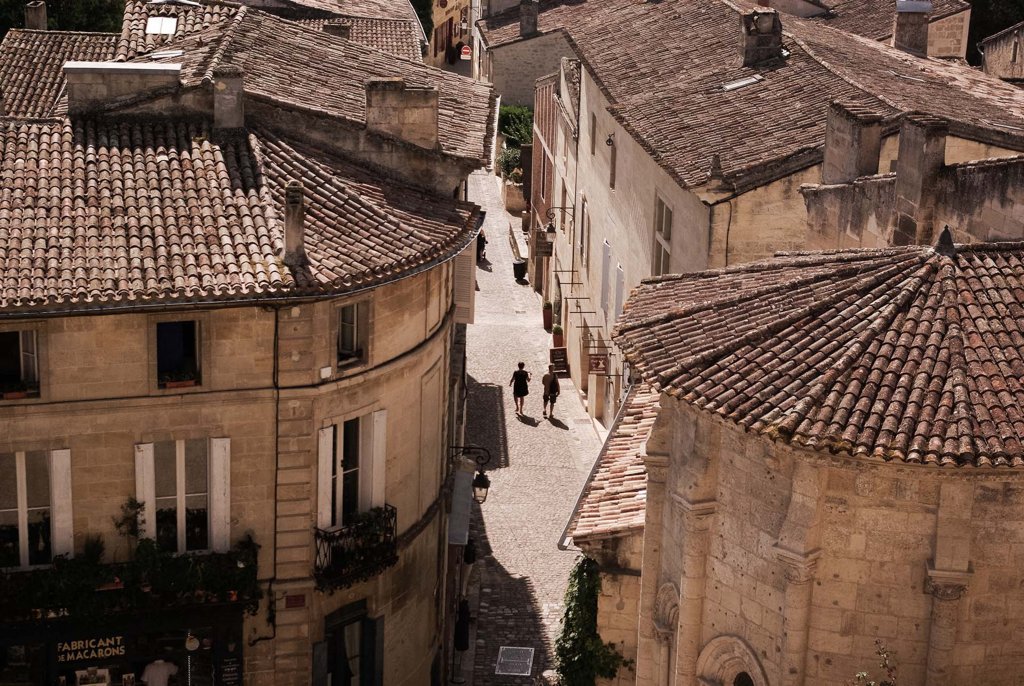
615, 496
910, 354
873, 18
191, 18
388, 9
770, 123
131, 212
331, 76
31, 64
394, 36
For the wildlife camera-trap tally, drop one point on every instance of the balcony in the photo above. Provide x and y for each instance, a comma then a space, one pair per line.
357, 551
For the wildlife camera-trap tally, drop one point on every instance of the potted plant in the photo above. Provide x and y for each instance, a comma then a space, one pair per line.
557, 337
14, 391
547, 315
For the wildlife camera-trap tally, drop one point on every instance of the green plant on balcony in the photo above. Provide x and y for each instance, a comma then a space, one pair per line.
361, 549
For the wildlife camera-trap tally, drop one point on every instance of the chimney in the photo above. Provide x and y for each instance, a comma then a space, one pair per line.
342, 29
403, 112
35, 15
294, 225
853, 142
94, 84
910, 27
922, 156
228, 97
528, 10
761, 36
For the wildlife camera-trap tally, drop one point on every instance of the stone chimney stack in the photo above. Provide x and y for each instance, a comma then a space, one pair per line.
35, 15
853, 142
403, 112
528, 11
342, 29
910, 27
294, 225
228, 97
922, 156
761, 36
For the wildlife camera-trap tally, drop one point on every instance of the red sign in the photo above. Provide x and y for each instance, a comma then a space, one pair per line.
467, 52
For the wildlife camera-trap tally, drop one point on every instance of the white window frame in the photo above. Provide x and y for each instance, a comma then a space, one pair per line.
606, 268
620, 290
218, 492
584, 246
663, 216
361, 326
161, 26
61, 516
28, 358
372, 461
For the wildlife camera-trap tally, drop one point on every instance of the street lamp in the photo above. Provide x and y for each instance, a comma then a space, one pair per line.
480, 485
482, 456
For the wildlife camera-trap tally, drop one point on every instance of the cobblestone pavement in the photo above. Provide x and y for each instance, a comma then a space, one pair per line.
538, 468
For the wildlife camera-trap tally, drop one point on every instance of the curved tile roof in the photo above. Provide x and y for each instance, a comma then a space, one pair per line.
395, 36
191, 18
31, 64
910, 354
135, 211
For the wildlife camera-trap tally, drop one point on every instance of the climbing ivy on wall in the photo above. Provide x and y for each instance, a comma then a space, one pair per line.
581, 655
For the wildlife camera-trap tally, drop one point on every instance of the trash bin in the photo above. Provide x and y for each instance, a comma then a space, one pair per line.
519, 269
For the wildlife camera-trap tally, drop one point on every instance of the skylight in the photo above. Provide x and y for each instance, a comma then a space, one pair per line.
748, 81
166, 53
164, 26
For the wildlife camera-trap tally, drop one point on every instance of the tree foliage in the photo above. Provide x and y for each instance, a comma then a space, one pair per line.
425, 11
67, 15
988, 17
579, 651
885, 663
515, 122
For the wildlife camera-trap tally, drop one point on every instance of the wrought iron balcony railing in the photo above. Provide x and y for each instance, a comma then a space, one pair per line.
357, 551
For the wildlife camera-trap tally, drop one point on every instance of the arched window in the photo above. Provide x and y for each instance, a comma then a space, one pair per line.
742, 679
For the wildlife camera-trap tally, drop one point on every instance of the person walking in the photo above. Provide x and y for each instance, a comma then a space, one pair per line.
551, 391
520, 384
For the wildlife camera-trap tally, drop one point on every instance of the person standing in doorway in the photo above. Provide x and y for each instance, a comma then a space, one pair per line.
551, 390
520, 384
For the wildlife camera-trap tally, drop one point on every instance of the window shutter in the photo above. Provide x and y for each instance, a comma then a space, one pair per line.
373, 644
145, 488
325, 464
220, 494
606, 266
465, 285
379, 458
60, 503
620, 288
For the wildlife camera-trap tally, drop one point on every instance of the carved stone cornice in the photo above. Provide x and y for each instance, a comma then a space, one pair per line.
695, 508
799, 567
657, 467
946, 584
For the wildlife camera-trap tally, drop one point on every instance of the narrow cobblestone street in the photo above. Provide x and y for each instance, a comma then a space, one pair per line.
538, 468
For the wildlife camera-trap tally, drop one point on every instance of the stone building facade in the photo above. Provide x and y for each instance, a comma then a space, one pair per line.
789, 530
231, 310
1001, 54
712, 200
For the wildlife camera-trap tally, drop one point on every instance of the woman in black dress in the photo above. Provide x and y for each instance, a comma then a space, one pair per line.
520, 384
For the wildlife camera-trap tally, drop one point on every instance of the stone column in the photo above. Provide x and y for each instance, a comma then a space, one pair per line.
946, 589
796, 612
697, 518
648, 651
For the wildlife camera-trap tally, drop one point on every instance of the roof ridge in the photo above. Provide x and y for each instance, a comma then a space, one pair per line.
62, 32
226, 40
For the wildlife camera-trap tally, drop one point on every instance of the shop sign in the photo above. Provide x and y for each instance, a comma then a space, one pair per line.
598, 364
542, 247
90, 649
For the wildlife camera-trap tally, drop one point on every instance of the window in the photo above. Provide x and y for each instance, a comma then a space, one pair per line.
593, 133
606, 266
177, 354
584, 246
164, 26
351, 468
563, 204
35, 507
353, 329
185, 487
620, 290
19, 364
354, 647
611, 164
662, 237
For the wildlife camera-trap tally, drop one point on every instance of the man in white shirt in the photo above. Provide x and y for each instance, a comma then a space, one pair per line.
158, 673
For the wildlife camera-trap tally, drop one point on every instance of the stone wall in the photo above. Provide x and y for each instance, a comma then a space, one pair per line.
1002, 55
947, 37
515, 67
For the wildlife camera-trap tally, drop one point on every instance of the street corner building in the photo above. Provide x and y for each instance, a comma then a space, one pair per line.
833, 457
234, 285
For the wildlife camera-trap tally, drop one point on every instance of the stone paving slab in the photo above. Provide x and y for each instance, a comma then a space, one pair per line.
538, 469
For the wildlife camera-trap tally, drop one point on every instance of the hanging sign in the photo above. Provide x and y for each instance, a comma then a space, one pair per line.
598, 364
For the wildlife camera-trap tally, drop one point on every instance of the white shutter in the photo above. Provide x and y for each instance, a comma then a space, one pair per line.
606, 266
60, 503
465, 285
380, 437
220, 494
325, 464
620, 288
145, 488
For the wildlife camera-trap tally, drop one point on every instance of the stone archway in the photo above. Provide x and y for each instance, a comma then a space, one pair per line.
724, 659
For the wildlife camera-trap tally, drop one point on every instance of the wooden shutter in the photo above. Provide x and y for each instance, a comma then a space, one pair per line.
606, 266
379, 458
220, 494
63, 542
620, 288
145, 488
373, 647
465, 285
325, 467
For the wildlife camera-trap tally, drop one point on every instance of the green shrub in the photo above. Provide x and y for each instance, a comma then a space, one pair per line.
509, 162
515, 122
579, 651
